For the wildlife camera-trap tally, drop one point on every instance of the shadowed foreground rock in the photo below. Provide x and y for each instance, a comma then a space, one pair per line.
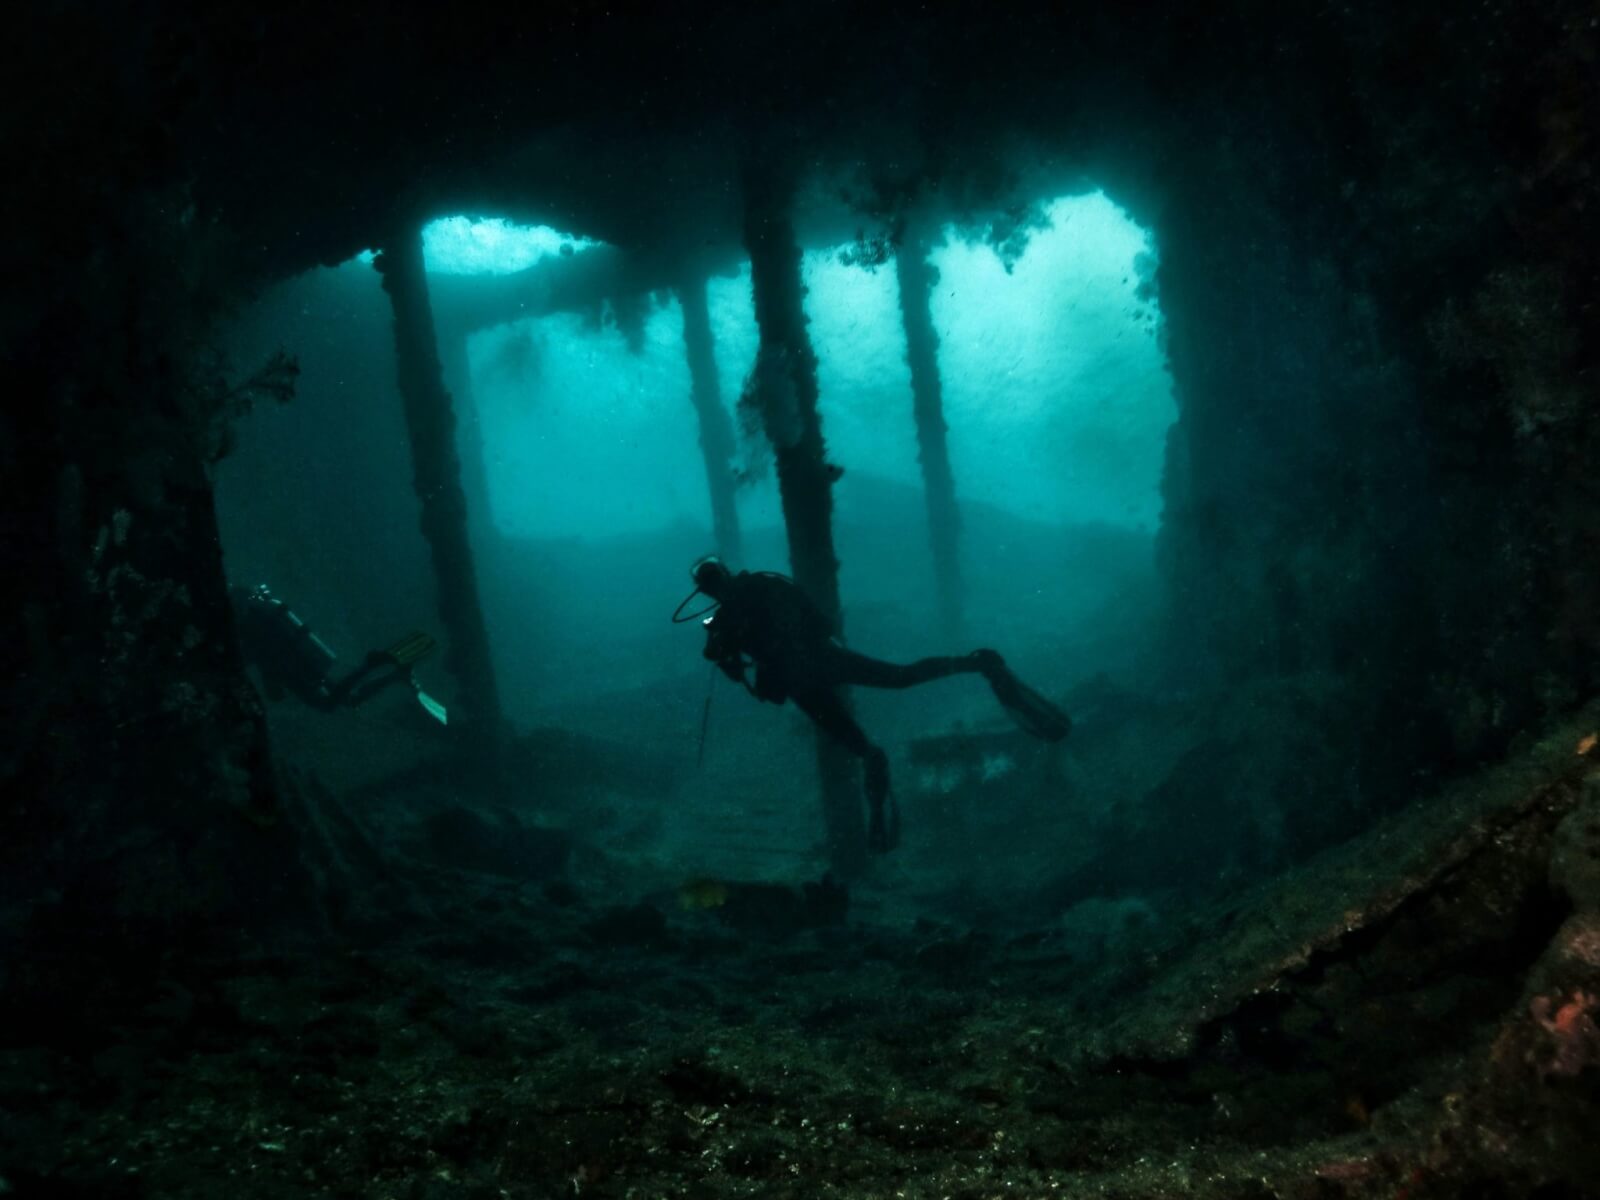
1410, 1014
1379, 264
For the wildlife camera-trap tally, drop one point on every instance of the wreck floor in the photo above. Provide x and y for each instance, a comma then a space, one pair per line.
527, 1042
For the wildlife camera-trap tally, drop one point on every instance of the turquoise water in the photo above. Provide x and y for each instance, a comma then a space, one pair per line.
1055, 386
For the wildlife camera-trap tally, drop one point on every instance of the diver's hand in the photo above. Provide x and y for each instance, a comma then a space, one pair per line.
721, 646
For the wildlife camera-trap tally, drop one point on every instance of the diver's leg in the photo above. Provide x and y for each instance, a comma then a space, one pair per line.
846, 666
1030, 710
827, 710
358, 686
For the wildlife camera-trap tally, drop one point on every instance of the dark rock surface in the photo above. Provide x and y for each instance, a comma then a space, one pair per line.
1412, 1013
1379, 272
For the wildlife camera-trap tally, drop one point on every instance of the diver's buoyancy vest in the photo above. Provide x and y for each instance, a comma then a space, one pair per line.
775, 620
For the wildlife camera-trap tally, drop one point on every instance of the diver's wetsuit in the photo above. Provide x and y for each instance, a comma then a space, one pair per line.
767, 618
292, 659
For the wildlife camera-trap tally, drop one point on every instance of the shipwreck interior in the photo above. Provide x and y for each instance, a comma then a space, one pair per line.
1224, 364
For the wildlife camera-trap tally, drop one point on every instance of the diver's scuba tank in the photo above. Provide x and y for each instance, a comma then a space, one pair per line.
292, 658
284, 646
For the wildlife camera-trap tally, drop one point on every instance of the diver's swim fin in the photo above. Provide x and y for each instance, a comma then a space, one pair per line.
431, 706
412, 648
1030, 710
406, 653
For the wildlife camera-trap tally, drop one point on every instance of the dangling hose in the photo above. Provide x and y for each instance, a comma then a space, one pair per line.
679, 617
705, 717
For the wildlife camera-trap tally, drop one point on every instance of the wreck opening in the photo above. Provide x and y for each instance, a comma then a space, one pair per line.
464, 245
1251, 876
1055, 410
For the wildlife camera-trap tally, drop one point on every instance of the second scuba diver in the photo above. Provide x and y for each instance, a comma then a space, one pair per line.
763, 620
293, 659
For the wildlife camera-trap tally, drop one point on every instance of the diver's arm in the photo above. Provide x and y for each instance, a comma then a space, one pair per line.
721, 646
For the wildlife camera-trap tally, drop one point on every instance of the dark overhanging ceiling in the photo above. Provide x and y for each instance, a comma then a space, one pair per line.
312, 133
315, 133
696, 232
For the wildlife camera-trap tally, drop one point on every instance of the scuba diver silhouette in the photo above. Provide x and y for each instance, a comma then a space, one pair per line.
293, 659
763, 620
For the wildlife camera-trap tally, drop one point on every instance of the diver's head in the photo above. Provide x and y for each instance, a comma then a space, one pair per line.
711, 577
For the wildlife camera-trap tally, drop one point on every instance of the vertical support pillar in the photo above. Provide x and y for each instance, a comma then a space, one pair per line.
437, 478
786, 379
140, 809
917, 278
457, 375
716, 430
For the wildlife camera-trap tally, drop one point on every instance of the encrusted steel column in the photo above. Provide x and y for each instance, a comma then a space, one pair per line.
457, 375
917, 277
140, 809
786, 391
716, 430
437, 478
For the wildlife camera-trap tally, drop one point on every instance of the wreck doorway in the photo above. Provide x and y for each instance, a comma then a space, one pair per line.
1057, 404
597, 488
1056, 398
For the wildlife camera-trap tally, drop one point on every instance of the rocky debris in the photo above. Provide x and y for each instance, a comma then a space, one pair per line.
778, 911
639, 924
1413, 1013
1575, 855
1528, 1112
461, 837
954, 957
338, 1035
1446, 877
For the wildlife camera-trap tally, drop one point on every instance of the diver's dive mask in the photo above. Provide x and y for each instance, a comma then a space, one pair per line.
679, 617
